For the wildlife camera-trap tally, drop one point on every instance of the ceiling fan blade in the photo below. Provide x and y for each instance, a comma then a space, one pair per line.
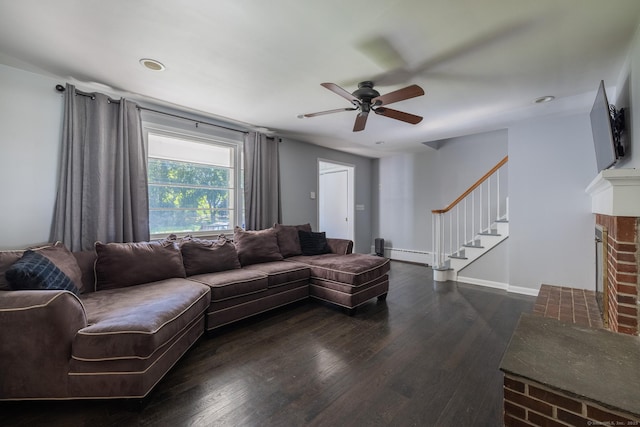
322, 113
343, 93
398, 115
382, 51
361, 121
398, 95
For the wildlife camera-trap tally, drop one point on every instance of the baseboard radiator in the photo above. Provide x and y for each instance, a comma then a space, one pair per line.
407, 255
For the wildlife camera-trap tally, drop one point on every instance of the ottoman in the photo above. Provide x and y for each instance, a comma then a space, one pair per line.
347, 280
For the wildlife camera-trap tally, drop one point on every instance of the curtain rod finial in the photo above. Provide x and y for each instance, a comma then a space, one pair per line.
60, 88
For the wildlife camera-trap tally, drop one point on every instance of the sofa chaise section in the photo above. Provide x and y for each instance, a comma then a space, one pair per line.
114, 342
346, 280
36, 334
134, 336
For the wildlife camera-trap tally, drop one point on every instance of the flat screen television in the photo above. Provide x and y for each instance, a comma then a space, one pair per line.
607, 124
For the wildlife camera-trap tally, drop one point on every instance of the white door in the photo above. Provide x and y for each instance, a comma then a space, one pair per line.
335, 200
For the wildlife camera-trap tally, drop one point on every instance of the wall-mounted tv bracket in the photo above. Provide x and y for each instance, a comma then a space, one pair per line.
617, 128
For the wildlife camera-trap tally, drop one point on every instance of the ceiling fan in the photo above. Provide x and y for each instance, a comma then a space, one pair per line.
366, 99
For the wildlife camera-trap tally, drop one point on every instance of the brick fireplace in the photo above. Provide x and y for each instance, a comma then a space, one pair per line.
615, 196
620, 286
561, 367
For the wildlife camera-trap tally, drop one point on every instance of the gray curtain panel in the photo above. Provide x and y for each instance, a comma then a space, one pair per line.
102, 186
261, 181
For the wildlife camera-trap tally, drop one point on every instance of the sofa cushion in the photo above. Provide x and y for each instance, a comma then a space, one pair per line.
57, 253
232, 283
134, 322
256, 246
288, 240
87, 261
282, 273
208, 256
313, 243
35, 271
126, 264
351, 269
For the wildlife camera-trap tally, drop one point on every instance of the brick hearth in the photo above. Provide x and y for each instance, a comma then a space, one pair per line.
568, 305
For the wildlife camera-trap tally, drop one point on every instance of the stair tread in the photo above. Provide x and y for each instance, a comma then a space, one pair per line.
490, 234
473, 246
457, 257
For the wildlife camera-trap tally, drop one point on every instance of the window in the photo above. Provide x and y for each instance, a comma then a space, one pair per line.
192, 184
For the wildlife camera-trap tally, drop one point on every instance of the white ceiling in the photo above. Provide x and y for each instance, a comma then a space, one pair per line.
480, 62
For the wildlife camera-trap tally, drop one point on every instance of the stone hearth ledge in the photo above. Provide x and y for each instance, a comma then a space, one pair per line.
594, 364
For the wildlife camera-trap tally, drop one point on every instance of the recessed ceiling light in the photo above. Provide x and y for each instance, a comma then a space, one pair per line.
152, 64
544, 99
379, 142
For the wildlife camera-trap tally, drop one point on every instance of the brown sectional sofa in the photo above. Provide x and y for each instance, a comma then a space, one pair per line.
119, 340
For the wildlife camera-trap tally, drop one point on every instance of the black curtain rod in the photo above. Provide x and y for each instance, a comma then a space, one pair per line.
61, 88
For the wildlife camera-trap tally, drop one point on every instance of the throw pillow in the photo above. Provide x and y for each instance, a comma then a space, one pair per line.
57, 253
126, 264
7, 259
208, 256
64, 260
256, 246
288, 240
313, 243
35, 271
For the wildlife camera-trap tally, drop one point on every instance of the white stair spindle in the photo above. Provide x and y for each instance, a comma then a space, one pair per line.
498, 194
473, 214
450, 233
457, 228
465, 220
481, 209
489, 204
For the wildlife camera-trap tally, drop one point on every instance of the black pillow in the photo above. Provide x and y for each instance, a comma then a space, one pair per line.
35, 271
313, 243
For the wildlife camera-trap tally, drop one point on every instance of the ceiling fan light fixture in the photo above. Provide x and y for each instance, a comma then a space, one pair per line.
543, 99
152, 64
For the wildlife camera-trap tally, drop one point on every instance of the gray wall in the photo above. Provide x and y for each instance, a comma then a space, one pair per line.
492, 267
299, 177
30, 133
551, 163
411, 185
628, 97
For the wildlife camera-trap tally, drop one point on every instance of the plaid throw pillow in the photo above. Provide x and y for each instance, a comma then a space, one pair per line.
35, 271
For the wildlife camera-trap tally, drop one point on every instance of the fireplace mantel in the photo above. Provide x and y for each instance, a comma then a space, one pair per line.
616, 192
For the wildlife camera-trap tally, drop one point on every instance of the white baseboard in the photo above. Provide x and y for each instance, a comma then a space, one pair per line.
407, 255
524, 291
498, 285
485, 283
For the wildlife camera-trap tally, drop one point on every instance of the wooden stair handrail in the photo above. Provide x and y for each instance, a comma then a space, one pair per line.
473, 187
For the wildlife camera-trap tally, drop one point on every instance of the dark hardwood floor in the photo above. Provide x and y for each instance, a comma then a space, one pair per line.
427, 356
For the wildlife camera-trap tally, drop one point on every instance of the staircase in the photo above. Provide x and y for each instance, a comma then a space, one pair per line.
472, 225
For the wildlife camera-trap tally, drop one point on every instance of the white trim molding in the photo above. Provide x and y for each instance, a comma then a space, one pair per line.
616, 192
499, 285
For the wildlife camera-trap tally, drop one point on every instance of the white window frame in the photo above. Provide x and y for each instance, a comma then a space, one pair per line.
192, 131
